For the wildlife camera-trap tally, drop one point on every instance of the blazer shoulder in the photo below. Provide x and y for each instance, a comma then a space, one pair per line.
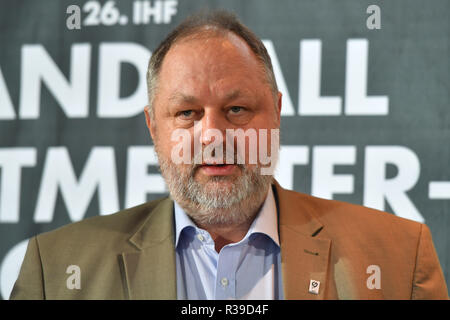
93, 229
334, 213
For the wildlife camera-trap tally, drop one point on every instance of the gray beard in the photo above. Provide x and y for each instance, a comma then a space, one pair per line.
214, 203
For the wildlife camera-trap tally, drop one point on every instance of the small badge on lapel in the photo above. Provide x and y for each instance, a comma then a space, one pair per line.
314, 286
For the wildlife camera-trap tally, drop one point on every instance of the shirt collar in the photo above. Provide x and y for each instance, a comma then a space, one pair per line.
182, 221
266, 221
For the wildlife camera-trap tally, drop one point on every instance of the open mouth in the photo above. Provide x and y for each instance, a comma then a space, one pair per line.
213, 163
212, 169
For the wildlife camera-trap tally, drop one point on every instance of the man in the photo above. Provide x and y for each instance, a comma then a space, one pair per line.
227, 230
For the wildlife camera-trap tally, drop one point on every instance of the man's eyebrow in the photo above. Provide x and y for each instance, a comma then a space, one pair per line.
186, 98
233, 95
178, 96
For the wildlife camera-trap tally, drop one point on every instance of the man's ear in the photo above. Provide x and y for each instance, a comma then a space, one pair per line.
148, 120
279, 108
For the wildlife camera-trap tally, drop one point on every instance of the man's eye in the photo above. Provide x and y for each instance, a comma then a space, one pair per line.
186, 113
236, 109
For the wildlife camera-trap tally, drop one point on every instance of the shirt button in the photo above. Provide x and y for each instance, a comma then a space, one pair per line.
200, 237
224, 282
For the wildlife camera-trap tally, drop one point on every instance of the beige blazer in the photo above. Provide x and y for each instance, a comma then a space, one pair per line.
131, 254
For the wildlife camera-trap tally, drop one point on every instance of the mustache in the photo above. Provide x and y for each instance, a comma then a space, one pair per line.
200, 159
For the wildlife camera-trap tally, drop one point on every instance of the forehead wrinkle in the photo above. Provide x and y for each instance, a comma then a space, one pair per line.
216, 45
179, 96
191, 99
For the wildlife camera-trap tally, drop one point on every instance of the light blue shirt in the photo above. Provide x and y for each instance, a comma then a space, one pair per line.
248, 269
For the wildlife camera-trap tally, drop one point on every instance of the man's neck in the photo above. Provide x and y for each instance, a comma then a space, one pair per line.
227, 233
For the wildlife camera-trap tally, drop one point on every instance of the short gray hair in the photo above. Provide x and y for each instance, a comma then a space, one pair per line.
220, 21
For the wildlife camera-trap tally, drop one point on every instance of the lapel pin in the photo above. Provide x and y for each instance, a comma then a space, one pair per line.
314, 286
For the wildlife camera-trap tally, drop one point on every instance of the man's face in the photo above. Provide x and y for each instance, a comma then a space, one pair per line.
218, 83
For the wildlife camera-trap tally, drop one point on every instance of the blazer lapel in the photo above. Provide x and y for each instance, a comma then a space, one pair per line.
304, 256
150, 273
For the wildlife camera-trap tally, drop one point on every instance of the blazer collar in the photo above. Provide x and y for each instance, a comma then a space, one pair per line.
304, 255
157, 228
294, 213
150, 273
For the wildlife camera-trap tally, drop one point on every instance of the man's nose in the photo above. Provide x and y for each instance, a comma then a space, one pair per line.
212, 123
